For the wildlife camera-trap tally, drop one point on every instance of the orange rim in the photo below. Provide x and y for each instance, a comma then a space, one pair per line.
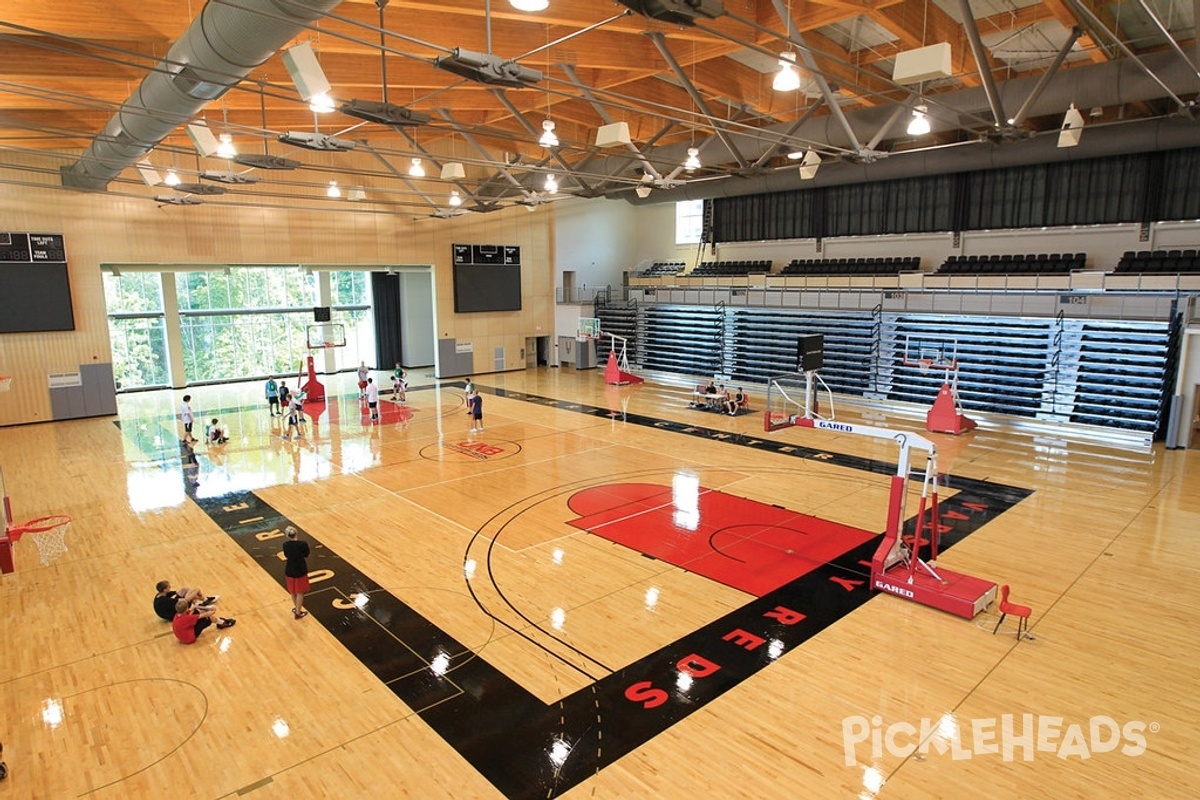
38, 525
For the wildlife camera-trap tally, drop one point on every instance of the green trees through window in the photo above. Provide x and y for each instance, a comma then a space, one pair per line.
234, 323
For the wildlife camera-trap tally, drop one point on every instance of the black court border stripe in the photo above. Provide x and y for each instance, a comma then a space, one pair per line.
530, 749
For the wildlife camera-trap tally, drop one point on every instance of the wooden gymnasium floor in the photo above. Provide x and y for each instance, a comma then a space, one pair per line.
476, 632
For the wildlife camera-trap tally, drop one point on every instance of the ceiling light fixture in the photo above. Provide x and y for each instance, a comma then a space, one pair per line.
787, 79
416, 170
551, 184
919, 124
1072, 128
172, 178
321, 103
529, 5
226, 148
333, 191
548, 138
455, 198
693, 159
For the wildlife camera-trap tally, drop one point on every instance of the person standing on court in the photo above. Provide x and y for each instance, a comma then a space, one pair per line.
475, 409
273, 397
185, 416
295, 551
373, 399
363, 375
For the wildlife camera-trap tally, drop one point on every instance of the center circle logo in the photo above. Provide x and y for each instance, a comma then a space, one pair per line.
454, 449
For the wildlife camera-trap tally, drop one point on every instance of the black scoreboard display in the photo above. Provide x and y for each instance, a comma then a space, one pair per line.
35, 290
487, 277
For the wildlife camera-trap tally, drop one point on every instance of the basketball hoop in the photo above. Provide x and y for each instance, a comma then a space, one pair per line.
50, 535
925, 364
5, 383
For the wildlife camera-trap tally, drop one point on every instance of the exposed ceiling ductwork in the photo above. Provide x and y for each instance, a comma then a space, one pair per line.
219, 49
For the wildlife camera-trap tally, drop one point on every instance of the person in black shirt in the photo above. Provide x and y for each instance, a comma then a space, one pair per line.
295, 550
166, 597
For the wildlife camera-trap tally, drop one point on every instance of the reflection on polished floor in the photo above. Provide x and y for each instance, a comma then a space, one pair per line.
601, 594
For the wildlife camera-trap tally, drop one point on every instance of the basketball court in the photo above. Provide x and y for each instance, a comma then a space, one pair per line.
601, 594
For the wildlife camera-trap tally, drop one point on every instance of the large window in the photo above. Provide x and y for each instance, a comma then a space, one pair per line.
689, 221
234, 323
137, 329
350, 296
244, 321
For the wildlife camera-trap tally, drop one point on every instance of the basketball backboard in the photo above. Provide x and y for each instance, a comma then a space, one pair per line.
326, 334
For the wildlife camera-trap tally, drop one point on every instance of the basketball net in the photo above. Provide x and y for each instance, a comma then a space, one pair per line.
48, 533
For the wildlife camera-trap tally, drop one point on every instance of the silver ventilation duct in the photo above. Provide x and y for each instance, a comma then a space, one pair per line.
1109, 84
220, 48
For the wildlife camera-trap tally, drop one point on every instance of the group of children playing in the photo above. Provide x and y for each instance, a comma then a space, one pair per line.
282, 402
368, 391
214, 432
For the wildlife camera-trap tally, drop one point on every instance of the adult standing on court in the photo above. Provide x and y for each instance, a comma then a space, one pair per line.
295, 551
363, 375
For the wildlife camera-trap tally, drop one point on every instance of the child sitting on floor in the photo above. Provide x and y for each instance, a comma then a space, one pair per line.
216, 433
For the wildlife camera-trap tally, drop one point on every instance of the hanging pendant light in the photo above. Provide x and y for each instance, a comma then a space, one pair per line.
693, 159
226, 148
549, 139
333, 191
551, 184
455, 198
788, 78
321, 103
919, 124
529, 5
172, 178
416, 170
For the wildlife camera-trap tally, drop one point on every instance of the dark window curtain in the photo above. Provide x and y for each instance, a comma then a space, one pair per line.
853, 208
385, 290
1143, 187
765, 217
909, 205
1173, 187
1006, 198
1096, 191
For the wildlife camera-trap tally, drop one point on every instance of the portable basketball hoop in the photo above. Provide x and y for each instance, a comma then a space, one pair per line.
946, 415
49, 534
321, 336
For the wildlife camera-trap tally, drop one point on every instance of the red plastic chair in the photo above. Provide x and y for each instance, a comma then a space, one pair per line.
1022, 612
